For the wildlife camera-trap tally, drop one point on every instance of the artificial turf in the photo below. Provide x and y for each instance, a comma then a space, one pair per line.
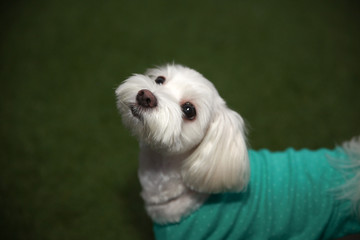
67, 165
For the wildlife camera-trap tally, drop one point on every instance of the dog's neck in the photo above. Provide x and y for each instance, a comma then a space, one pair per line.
166, 197
159, 177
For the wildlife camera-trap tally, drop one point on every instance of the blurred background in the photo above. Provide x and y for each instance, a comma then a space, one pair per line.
67, 165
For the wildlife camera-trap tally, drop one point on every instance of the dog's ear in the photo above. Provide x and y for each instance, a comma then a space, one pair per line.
220, 163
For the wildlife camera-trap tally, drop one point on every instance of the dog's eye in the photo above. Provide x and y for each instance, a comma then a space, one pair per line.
189, 111
160, 80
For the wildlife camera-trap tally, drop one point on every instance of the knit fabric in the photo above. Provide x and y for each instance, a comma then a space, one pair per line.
290, 196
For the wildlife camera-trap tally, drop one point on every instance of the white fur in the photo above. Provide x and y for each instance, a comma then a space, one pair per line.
351, 190
182, 161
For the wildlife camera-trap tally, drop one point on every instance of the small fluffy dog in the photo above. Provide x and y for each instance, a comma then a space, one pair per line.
199, 181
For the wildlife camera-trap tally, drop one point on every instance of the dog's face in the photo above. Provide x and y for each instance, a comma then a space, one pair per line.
168, 108
175, 110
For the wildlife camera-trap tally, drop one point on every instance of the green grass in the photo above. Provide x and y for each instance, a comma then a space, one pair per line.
67, 165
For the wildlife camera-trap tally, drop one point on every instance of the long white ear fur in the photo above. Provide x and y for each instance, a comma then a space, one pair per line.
220, 163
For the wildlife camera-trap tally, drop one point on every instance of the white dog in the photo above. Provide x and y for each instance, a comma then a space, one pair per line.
193, 151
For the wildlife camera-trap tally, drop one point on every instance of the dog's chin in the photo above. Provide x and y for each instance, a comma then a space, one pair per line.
164, 138
163, 149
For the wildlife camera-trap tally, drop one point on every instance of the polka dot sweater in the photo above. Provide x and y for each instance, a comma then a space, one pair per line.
290, 196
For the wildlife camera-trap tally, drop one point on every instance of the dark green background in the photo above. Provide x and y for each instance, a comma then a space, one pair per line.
68, 167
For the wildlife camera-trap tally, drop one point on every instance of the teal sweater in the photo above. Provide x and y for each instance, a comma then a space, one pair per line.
289, 196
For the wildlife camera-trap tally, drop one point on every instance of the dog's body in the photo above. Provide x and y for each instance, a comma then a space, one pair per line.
192, 146
289, 196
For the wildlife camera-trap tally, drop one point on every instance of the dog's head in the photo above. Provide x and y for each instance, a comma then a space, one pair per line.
176, 111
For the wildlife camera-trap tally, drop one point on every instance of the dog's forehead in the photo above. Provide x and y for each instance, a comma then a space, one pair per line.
184, 84
180, 75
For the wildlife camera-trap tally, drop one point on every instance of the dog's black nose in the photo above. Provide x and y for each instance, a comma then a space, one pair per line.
147, 99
